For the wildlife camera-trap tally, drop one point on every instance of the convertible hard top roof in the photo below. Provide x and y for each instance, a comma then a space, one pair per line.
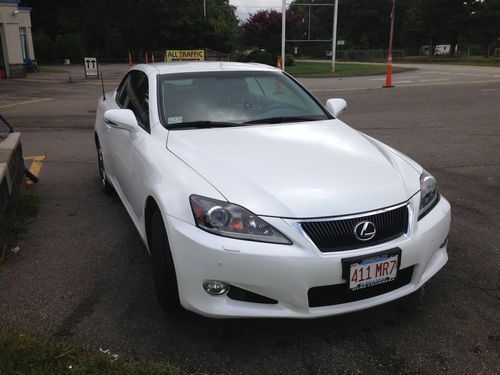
202, 66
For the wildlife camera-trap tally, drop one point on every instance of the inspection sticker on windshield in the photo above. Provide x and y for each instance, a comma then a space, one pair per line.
373, 271
174, 120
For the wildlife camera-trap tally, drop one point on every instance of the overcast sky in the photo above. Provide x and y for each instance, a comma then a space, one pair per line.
252, 6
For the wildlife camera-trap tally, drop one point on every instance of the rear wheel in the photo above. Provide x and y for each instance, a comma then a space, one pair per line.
103, 178
165, 277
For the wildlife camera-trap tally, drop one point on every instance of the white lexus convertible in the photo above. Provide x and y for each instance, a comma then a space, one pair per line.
254, 200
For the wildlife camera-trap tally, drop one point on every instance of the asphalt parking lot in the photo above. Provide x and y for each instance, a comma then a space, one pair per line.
82, 273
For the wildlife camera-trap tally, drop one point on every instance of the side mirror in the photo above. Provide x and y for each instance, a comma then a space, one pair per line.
336, 106
121, 119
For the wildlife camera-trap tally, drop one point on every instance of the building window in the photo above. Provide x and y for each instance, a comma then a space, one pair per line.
23, 32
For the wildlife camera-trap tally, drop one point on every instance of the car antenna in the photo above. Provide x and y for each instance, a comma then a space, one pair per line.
102, 85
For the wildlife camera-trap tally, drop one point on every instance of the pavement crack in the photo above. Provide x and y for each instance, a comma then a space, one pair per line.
487, 291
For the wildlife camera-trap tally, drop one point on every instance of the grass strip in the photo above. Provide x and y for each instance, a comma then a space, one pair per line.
24, 354
50, 69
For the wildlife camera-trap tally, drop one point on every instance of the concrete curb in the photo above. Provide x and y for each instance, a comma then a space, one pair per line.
11, 177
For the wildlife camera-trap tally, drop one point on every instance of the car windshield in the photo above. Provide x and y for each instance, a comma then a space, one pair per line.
207, 99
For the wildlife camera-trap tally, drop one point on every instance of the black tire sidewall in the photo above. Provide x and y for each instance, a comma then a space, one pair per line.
165, 278
106, 185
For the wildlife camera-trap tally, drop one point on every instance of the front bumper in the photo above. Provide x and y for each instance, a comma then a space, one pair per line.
285, 273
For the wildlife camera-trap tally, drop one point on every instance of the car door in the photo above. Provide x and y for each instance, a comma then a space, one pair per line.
128, 148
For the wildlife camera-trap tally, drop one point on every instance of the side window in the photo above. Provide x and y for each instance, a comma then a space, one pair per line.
133, 94
121, 93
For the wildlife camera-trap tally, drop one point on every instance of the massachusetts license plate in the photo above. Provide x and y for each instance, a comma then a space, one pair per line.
372, 271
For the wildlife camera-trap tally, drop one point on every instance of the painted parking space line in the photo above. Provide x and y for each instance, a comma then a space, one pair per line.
407, 80
383, 79
34, 100
48, 80
435, 79
410, 85
451, 83
458, 74
36, 166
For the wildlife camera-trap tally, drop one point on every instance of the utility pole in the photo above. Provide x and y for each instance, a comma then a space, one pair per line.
388, 78
334, 33
283, 34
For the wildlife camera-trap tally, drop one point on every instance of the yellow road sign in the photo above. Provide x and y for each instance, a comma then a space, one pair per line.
185, 54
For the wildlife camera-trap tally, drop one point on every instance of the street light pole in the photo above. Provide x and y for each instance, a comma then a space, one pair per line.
205, 10
388, 78
334, 34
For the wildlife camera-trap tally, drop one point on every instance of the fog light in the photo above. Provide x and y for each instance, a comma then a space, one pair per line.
215, 288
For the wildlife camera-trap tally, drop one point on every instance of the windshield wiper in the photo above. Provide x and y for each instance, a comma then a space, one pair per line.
202, 125
279, 120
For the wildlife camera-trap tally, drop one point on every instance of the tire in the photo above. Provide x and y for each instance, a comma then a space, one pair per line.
105, 184
167, 291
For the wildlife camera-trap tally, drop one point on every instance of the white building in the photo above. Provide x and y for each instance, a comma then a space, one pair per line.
16, 42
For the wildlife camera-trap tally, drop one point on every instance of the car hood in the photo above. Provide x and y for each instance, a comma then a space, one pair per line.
299, 170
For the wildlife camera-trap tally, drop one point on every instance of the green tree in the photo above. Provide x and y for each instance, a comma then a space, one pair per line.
485, 24
44, 46
69, 46
221, 29
434, 22
111, 28
263, 29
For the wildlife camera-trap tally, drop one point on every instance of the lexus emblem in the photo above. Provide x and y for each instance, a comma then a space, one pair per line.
365, 230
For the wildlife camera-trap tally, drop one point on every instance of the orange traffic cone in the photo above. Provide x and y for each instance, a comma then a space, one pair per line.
147, 58
129, 59
388, 77
278, 87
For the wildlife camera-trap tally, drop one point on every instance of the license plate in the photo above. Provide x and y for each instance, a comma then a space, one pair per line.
376, 270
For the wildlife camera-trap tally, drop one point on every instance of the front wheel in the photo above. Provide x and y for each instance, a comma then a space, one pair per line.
103, 178
167, 291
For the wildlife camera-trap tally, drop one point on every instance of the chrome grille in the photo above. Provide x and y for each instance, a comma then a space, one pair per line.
331, 235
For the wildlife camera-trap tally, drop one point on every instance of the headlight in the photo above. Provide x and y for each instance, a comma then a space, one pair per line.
428, 194
229, 220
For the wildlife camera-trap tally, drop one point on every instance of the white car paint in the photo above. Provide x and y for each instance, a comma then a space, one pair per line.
337, 170
281, 172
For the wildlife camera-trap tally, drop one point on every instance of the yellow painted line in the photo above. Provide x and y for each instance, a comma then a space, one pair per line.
40, 80
36, 166
37, 100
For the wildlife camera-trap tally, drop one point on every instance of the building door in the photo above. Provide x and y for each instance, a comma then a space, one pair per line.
3, 56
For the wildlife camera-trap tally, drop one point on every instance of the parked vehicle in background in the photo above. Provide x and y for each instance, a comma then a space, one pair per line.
439, 50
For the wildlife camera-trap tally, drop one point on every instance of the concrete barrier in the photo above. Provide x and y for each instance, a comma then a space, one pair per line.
11, 178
